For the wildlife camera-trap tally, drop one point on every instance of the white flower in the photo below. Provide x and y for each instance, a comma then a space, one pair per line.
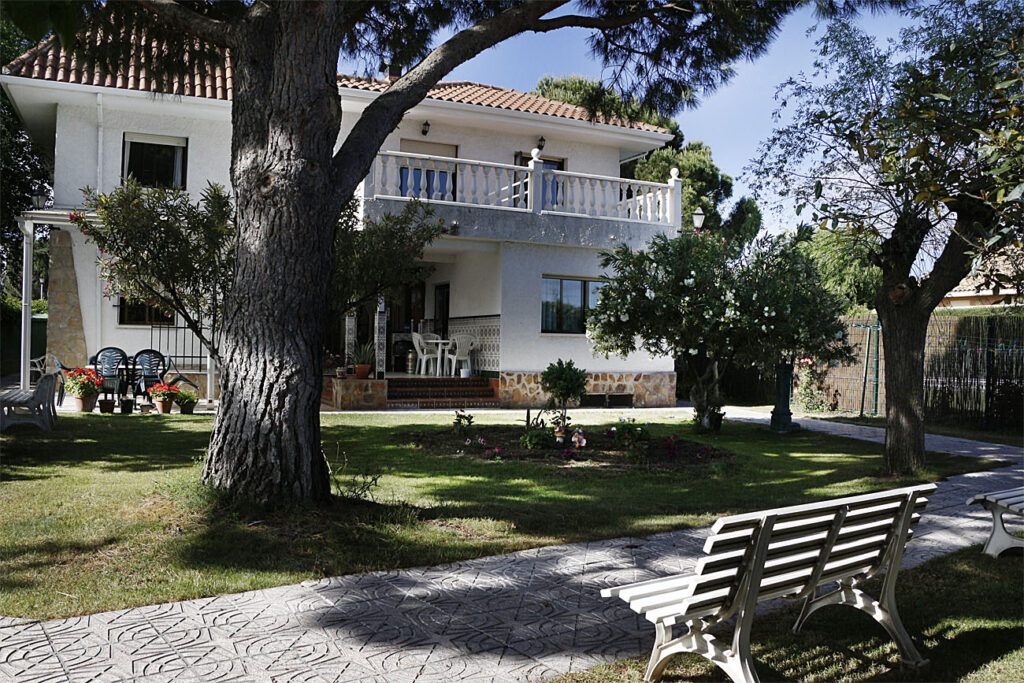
624, 317
693, 352
650, 293
763, 328
688, 282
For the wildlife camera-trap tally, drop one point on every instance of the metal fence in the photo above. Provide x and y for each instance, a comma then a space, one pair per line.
974, 370
181, 345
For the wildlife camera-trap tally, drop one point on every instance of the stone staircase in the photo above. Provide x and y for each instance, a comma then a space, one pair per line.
442, 392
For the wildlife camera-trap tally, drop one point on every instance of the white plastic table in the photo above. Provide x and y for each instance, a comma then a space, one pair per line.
442, 351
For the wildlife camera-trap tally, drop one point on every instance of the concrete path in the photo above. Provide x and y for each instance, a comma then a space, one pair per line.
525, 616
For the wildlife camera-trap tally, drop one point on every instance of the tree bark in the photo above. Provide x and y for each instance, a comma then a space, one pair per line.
285, 120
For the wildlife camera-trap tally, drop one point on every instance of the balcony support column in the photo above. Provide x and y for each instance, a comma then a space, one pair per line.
675, 200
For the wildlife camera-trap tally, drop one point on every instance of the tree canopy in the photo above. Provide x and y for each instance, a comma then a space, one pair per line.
908, 149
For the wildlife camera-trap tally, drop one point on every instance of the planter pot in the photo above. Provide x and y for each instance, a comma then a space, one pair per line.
187, 408
145, 408
85, 404
715, 422
363, 371
127, 406
164, 405
465, 373
107, 405
339, 372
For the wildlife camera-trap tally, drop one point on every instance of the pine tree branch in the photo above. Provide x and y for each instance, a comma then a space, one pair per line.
217, 32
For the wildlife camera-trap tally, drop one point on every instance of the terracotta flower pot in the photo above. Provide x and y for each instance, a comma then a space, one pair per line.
362, 371
107, 405
163, 405
187, 408
85, 404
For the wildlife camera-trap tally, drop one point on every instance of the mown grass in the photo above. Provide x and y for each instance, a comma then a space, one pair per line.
107, 512
964, 611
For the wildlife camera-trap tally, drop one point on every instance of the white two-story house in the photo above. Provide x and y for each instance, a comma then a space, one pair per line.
529, 186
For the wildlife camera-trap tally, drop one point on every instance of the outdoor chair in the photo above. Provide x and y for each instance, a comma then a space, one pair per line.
462, 346
50, 362
150, 367
112, 367
425, 355
32, 407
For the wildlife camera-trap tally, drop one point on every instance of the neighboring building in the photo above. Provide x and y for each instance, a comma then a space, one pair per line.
518, 270
971, 292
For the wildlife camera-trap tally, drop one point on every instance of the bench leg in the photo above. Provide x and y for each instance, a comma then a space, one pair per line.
1000, 539
884, 614
737, 663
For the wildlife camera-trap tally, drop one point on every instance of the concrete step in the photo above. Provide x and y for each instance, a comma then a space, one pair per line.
442, 403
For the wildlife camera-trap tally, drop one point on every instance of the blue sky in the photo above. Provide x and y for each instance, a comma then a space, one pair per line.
732, 121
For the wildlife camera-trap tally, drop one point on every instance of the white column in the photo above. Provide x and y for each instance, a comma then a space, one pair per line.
28, 230
675, 202
533, 201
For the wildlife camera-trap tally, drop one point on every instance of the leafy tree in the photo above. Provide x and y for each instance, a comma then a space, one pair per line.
691, 296
605, 103
884, 144
378, 256
292, 175
159, 248
22, 174
845, 270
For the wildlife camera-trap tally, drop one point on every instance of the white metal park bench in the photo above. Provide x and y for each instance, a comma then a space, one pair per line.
34, 407
792, 552
999, 503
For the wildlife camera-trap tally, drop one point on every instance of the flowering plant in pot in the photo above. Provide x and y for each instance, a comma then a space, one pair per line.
163, 396
362, 358
186, 401
85, 385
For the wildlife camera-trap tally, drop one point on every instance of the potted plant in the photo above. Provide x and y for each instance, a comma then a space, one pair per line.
362, 358
107, 405
127, 405
163, 396
186, 401
85, 385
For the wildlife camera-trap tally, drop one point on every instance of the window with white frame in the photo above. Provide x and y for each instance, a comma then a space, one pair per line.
155, 160
564, 303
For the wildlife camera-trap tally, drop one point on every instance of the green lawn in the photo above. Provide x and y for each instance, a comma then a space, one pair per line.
963, 610
106, 512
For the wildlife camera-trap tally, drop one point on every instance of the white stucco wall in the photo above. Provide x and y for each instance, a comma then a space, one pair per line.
523, 345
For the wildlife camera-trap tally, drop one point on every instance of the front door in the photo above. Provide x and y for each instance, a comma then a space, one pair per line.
441, 295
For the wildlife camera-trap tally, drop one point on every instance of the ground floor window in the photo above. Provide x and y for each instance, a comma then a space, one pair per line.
141, 314
565, 302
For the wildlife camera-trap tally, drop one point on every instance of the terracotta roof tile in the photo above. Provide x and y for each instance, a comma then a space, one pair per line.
48, 61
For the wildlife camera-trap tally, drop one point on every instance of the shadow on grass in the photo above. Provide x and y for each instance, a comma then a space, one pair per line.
116, 443
27, 557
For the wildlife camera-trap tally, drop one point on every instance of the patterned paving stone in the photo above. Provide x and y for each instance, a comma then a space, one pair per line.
526, 616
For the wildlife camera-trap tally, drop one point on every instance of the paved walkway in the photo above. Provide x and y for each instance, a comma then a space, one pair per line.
525, 616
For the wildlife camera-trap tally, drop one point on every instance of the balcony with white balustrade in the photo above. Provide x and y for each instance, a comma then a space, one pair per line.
485, 200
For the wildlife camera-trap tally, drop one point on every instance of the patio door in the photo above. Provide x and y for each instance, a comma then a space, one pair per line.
441, 295
431, 182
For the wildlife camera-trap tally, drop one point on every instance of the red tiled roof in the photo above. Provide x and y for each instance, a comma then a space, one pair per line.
48, 61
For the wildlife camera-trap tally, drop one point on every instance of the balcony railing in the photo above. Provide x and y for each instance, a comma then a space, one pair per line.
464, 182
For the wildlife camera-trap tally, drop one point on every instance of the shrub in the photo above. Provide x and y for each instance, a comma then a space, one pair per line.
462, 425
565, 383
537, 439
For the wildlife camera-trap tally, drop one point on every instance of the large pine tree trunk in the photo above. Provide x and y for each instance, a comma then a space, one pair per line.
904, 328
285, 114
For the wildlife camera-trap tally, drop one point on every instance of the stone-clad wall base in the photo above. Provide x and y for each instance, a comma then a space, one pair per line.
649, 389
65, 337
355, 394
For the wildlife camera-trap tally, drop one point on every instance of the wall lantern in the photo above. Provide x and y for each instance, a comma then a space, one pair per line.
698, 218
39, 201
426, 127
541, 142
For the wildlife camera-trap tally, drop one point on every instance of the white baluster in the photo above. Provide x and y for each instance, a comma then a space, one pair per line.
449, 189
384, 161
